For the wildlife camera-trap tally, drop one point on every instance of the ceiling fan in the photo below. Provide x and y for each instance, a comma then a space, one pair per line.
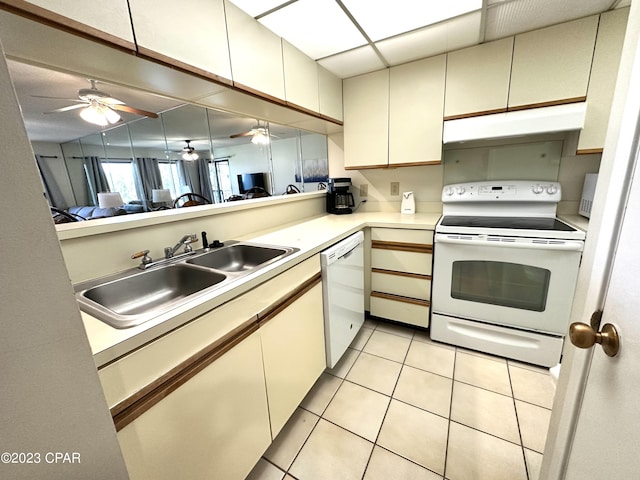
188, 152
99, 107
259, 135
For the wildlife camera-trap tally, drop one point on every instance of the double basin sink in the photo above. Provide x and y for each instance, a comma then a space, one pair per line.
133, 297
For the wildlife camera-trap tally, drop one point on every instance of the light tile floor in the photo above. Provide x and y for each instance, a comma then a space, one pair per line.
399, 406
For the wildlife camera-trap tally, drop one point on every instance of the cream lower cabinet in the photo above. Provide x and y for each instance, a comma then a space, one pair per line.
401, 261
216, 425
294, 354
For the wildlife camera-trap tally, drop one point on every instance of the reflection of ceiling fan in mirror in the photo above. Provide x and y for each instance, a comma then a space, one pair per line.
259, 135
188, 152
98, 107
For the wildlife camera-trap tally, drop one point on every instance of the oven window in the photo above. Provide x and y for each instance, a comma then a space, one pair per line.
500, 283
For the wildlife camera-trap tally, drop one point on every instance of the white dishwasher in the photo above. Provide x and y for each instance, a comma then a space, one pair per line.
343, 294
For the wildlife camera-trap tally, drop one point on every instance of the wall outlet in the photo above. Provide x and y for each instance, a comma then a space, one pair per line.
364, 189
395, 188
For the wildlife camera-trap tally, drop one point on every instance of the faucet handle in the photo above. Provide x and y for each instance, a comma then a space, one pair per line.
192, 239
146, 259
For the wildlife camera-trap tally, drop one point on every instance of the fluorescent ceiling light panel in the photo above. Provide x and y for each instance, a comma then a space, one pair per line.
317, 27
510, 18
352, 63
257, 7
457, 33
385, 19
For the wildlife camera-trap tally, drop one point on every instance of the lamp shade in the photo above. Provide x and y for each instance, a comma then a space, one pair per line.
160, 195
110, 200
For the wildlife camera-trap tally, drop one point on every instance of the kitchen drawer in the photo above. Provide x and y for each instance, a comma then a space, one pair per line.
409, 286
402, 235
401, 261
400, 309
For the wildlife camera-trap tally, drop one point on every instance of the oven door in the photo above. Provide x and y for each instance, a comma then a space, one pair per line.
517, 282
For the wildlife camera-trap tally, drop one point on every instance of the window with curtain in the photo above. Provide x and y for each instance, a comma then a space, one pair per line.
121, 178
170, 178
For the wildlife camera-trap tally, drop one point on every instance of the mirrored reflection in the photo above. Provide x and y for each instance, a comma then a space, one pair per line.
193, 155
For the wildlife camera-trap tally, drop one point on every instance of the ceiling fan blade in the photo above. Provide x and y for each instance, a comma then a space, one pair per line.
66, 109
60, 98
237, 135
137, 111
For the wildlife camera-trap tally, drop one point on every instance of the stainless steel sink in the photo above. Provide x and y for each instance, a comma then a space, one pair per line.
133, 297
239, 257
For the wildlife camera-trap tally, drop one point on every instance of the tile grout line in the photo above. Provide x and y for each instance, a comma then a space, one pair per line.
515, 409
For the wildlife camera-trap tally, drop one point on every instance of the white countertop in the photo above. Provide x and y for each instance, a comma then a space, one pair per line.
311, 237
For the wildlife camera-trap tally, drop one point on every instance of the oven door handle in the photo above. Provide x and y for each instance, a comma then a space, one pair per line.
480, 240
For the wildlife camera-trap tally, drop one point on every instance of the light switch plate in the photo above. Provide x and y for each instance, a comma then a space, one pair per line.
395, 188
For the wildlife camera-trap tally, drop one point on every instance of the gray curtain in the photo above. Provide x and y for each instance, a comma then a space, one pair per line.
52, 191
96, 177
195, 175
147, 173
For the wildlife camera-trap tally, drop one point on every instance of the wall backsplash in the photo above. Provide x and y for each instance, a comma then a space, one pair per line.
545, 158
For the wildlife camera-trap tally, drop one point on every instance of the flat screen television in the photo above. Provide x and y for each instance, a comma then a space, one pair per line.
247, 181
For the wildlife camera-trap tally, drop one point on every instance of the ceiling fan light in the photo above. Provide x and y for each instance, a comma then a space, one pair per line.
190, 155
260, 139
111, 116
99, 115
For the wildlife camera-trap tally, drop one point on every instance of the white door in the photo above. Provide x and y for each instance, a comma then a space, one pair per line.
595, 428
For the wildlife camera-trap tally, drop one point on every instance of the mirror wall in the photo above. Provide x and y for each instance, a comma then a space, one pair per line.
231, 164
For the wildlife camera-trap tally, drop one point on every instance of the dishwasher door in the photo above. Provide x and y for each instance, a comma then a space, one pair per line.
343, 294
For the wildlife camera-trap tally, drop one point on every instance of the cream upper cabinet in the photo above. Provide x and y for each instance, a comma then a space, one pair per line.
294, 354
366, 120
166, 27
606, 60
416, 99
329, 93
478, 79
552, 65
214, 426
256, 54
300, 78
108, 16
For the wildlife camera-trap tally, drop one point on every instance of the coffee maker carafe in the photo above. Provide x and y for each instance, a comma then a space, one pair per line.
339, 199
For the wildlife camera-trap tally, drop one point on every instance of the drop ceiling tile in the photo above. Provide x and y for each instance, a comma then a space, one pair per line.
317, 27
509, 18
392, 18
352, 63
256, 7
454, 34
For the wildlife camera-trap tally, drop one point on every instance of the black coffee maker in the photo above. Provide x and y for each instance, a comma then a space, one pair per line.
339, 199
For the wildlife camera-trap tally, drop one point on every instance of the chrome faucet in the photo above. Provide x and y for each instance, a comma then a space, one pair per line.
169, 252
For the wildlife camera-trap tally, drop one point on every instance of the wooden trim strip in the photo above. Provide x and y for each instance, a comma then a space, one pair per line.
271, 312
475, 114
131, 408
418, 276
69, 25
152, 55
367, 167
589, 151
399, 298
135, 405
257, 93
415, 164
402, 247
565, 101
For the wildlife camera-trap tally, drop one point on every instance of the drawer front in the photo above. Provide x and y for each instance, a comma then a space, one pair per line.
411, 262
400, 311
402, 235
414, 287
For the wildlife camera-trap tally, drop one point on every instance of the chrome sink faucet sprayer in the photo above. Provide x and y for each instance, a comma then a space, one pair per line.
187, 240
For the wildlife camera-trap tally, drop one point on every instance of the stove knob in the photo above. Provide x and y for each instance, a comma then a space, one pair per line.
460, 190
448, 191
537, 189
552, 189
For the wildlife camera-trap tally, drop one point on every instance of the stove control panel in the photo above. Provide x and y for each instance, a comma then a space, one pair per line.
503, 191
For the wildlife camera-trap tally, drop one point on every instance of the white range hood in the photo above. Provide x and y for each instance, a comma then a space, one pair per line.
558, 118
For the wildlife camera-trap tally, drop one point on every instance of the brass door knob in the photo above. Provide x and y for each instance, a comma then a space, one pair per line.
584, 336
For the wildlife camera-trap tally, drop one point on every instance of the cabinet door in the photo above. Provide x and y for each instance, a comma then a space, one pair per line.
300, 78
165, 27
366, 120
552, 65
110, 17
214, 426
478, 79
606, 60
329, 93
416, 100
256, 54
294, 354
